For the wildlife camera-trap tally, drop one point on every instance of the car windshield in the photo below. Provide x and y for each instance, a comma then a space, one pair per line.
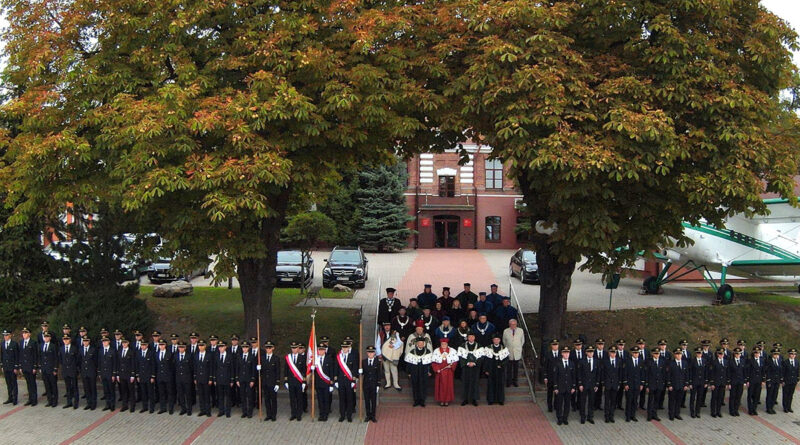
289, 256
529, 256
345, 256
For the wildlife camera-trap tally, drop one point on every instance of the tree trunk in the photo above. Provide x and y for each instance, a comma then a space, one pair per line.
556, 280
257, 275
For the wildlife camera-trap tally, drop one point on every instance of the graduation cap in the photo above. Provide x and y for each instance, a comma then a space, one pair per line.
390, 290
467, 285
445, 288
428, 286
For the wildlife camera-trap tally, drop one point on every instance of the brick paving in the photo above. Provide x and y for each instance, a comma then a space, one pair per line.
445, 267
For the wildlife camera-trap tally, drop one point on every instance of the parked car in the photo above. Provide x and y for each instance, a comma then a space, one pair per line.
347, 266
291, 266
523, 265
161, 272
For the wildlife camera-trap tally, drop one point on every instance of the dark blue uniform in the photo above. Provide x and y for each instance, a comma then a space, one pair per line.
9, 352
633, 379
29, 365
589, 375
612, 377
564, 382
773, 372
223, 380
184, 379
698, 380
88, 371
655, 381
203, 377
145, 376
107, 367
678, 378
326, 367
245, 375
70, 363
347, 392
126, 372
737, 377
165, 380
48, 366
270, 379
790, 376
718, 378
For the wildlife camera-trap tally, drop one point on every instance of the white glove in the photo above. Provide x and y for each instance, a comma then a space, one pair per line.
313, 368
258, 367
377, 390
360, 371
353, 384
331, 389
276, 388
286, 385
336, 385
304, 386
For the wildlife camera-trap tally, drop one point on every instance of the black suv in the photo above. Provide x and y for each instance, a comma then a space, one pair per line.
346, 265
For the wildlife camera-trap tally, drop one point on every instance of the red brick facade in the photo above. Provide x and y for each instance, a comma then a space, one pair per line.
457, 215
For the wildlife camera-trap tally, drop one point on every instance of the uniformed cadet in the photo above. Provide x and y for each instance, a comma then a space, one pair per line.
294, 380
576, 356
686, 355
44, 328
246, 379
646, 355
154, 347
655, 381
773, 371
418, 364
755, 380
184, 379
698, 379
138, 339
146, 377
633, 381
255, 352
88, 371
126, 375
737, 378
370, 374
107, 369
742, 345
270, 379
623, 355
223, 379
191, 349
324, 368
213, 350
601, 355
549, 360
70, 364
172, 346
203, 374
791, 368
470, 360
165, 378
235, 350
564, 385
346, 378
666, 357
304, 398
589, 375
678, 380
612, 378
48, 366
29, 365
717, 381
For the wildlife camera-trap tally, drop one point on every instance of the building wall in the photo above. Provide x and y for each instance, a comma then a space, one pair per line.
472, 202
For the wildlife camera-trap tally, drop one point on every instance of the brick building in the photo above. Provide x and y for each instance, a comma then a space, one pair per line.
470, 206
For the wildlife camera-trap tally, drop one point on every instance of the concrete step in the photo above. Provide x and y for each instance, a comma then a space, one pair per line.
392, 397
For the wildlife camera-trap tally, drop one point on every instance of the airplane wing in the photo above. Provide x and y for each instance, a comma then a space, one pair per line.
765, 268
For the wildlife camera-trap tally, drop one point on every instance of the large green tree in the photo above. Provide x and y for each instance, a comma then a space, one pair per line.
205, 118
622, 119
381, 207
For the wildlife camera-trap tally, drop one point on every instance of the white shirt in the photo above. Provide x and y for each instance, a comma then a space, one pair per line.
202, 354
591, 365
612, 362
222, 356
565, 363
181, 356
635, 361
124, 352
66, 347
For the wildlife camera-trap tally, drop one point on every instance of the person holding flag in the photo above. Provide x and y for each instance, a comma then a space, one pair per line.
345, 381
294, 380
324, 369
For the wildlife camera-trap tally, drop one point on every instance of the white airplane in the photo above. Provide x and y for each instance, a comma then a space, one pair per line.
764, 247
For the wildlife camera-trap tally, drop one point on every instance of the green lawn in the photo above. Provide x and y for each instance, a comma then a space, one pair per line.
218, 311
760, 316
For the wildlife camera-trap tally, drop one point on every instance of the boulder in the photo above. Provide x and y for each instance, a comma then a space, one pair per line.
175, 289
341, 288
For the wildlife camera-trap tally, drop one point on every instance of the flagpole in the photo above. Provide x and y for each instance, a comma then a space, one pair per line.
314, 362
360, 380
258, 339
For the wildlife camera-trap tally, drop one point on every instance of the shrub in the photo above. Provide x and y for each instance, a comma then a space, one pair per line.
111, 307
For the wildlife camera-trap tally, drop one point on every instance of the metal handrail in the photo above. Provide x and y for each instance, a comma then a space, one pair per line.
375, 327
530, 377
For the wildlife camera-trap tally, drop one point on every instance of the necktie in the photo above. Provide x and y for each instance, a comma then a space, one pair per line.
181, 357
679, 365
85, 351
720, 361
161, 358
144, 354
370, 362
67, 349
565, 364
105, 352
656, 362
124, 351
26, 344
222, 357
270, 356
737, 362
792, 362
591, 366
612, 362
776, 362
634, 362
201, 356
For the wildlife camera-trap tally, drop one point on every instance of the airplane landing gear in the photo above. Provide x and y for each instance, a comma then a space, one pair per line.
725, 294
651, 285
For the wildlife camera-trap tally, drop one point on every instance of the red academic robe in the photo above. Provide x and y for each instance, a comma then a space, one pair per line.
443, 383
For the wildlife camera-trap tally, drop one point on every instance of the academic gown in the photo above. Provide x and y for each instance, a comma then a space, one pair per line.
444, 364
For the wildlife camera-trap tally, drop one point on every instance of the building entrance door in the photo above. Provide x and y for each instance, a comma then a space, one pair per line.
446, 229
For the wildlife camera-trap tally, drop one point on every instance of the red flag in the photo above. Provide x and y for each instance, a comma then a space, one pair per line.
312, 349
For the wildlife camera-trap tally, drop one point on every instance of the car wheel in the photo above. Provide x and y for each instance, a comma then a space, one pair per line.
510, 271
522, 276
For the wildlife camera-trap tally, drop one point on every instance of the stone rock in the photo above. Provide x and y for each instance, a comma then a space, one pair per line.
341, 288
175, 289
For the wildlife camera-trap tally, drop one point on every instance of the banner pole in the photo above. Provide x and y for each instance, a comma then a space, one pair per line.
258, 339
360, 380
313, 363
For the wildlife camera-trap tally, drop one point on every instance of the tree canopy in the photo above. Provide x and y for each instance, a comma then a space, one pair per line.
202, 117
